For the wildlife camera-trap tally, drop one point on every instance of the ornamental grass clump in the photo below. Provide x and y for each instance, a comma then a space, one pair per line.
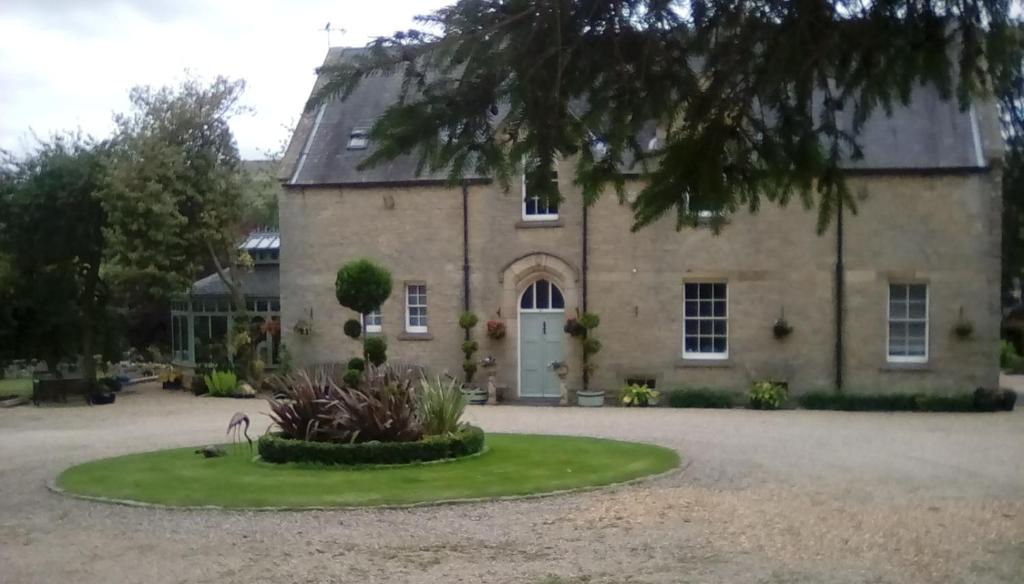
440, 406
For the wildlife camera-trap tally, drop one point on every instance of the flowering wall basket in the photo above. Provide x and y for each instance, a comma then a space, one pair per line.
495, 329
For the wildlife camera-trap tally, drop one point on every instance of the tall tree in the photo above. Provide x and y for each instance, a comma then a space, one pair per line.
1009, 82
52, 237
753, 99
175, 195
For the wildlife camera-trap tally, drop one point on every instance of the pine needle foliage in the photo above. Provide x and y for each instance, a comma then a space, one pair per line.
753, 100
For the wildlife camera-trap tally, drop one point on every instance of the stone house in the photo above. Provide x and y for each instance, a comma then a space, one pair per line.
678, 308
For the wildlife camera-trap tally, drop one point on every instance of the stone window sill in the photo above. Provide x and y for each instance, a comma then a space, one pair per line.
540, 224
415, 337
905, 367
704, 363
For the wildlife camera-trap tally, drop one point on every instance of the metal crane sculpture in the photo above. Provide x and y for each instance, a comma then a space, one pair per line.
240, 425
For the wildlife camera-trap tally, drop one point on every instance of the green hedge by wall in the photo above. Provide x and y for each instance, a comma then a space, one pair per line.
277, 449
982, 400
700, 398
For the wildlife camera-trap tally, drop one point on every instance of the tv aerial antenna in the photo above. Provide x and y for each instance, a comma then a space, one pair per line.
328, 29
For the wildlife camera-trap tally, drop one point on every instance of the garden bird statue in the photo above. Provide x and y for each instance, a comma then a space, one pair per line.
240, 425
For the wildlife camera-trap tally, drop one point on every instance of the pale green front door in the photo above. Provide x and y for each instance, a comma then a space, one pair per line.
540, 343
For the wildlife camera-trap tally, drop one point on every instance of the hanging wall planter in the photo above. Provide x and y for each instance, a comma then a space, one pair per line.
963, 328
495, 329
781, 329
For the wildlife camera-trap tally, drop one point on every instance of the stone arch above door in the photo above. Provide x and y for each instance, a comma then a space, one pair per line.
522, 271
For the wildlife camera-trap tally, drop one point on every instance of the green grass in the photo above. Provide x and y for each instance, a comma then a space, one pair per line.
514, 464
17, 387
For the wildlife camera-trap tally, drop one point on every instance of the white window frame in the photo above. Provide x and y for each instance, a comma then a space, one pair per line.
889, 319
538, 216
699, 355
373, 322
409, 327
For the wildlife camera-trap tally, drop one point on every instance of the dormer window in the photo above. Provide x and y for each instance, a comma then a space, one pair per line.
359, 139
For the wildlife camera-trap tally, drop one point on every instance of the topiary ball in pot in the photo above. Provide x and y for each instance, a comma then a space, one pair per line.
376, 351
352, 328
352, 377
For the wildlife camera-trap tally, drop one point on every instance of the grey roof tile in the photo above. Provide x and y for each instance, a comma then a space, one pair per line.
928, 134
263, 282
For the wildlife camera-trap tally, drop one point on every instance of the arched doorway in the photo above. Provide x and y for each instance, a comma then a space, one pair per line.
541, 338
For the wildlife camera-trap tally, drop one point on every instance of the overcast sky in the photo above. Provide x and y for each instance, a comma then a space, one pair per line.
67, 64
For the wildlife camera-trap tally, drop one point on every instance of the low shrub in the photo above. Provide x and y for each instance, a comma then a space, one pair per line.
858, 402
278, 449
765, 395
638, 395
1008, 357
945, 403
700, 398
357, 364
994, 400
981, 400
222, 383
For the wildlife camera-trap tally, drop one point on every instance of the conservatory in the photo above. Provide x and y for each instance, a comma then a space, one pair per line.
201, 323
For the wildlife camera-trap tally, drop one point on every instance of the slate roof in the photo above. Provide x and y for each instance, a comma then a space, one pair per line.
929, 134
262, 282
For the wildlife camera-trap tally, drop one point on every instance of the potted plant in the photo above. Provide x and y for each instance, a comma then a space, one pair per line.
640, 396
474, 395
589, 398
170, 378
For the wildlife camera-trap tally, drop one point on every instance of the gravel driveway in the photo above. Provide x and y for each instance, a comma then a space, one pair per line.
765, 497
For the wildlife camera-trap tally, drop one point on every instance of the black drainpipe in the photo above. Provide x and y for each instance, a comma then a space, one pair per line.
583, 285
465, 250
583, 281
840, 296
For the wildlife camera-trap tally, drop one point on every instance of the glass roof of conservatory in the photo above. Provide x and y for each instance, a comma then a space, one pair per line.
261, 240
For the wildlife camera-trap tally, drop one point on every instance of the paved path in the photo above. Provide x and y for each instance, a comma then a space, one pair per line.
765, 497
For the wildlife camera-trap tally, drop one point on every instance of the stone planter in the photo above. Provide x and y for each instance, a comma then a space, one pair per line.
475, 396
590, 399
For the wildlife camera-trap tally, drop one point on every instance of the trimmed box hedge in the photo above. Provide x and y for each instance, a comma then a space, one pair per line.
277, 449
982, 400
700, 398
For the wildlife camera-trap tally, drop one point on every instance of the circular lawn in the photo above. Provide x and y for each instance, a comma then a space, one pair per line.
512, 465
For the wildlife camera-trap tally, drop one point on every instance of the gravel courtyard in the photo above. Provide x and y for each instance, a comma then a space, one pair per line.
764, 497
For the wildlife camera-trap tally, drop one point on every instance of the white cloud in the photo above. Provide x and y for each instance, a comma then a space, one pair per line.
66, 64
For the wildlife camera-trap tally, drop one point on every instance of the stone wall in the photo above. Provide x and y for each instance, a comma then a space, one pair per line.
939, 229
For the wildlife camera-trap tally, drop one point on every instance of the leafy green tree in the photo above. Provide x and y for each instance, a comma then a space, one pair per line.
52, 236
175, 195
1009, 82
749, 97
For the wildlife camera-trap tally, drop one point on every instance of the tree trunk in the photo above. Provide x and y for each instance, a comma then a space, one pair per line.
88, 307
233, 281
